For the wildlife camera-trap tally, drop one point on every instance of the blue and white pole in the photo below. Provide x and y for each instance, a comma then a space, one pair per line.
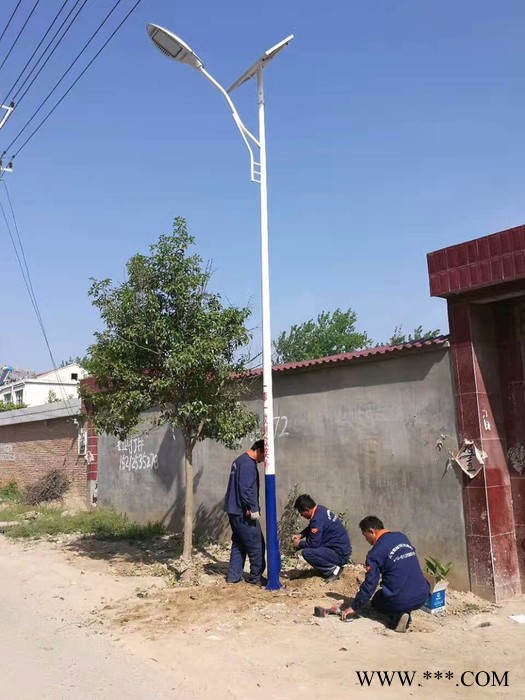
272, 537
174, 47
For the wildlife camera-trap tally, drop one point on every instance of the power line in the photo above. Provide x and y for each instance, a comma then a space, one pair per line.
21, 246
41, 124
34, 53
21, 87
19, 33
19, 260
10, 20
65, 74
26, 275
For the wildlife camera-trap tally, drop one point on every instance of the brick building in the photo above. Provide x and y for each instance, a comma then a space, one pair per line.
33, 441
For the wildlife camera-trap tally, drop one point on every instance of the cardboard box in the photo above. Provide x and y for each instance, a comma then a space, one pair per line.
437, 599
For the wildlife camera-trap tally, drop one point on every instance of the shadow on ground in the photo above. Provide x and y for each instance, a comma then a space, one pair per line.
160, 555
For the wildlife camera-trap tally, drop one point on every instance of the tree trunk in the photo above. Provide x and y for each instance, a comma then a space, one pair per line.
188, 505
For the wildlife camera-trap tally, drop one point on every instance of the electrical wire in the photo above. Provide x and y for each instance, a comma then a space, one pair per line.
10, 20
29, 286
20, 33
20, 243
25, 272
22, 261
21, 87
26, 275
34, 53
41, 124
65, 74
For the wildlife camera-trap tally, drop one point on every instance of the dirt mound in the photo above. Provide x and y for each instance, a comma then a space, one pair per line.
207, 603
195, 597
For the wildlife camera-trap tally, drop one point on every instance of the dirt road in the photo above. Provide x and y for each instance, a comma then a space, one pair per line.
49, 649
78, 624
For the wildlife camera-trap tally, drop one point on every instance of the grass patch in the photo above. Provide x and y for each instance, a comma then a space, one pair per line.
10, 493
100, 524
13, 511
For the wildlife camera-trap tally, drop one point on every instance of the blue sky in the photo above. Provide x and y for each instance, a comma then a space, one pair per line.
394, 129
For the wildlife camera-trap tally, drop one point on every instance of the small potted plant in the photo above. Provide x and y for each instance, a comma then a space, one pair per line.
436, 573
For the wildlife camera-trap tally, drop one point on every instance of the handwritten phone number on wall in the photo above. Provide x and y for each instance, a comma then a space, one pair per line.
132, 456
138, 462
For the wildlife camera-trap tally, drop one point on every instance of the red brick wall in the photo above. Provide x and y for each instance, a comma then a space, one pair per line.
30, 450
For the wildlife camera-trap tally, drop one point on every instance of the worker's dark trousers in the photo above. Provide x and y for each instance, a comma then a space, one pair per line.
384, 605
247, 541
324, 559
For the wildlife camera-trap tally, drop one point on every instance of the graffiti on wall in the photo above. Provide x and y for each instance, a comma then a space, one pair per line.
280, 428
133, 457
516, 457
6, 452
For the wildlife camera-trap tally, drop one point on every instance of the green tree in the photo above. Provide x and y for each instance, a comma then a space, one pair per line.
73, 361
52, 397
330, 334
398, 338
11, 406
171, 344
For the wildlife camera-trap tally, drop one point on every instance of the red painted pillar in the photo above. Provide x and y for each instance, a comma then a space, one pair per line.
487, 498
482, 280
92, 446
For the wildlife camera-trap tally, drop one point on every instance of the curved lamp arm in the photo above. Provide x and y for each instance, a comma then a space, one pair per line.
255, 166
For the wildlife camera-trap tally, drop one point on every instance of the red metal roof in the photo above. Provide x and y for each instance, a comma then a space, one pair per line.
350, 356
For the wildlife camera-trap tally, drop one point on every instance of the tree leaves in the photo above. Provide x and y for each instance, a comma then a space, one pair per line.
171, 344
330, 334
334, 333
398, 338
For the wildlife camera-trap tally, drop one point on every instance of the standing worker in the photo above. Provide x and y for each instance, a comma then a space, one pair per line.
324, 542
242, 505
403, 585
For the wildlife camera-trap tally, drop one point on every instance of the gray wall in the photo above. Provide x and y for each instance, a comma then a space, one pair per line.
360, 438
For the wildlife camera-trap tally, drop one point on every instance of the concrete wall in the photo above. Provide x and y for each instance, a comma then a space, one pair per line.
143, 476
360, 438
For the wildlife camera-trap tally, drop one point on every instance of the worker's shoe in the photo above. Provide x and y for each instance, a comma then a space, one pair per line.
401, 625
335, 575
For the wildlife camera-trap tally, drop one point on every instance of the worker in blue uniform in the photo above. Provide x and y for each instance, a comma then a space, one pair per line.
242, 505
324, 543
403, 585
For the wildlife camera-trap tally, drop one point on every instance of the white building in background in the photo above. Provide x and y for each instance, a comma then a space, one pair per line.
57, 385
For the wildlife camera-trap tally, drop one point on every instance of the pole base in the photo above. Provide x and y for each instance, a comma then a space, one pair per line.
272, 537
273, 586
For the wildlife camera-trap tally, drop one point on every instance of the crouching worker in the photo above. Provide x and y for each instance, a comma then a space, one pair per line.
403, 586
324, 542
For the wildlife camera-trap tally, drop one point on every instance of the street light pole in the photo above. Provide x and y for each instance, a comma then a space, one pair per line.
175, 48
272, 537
